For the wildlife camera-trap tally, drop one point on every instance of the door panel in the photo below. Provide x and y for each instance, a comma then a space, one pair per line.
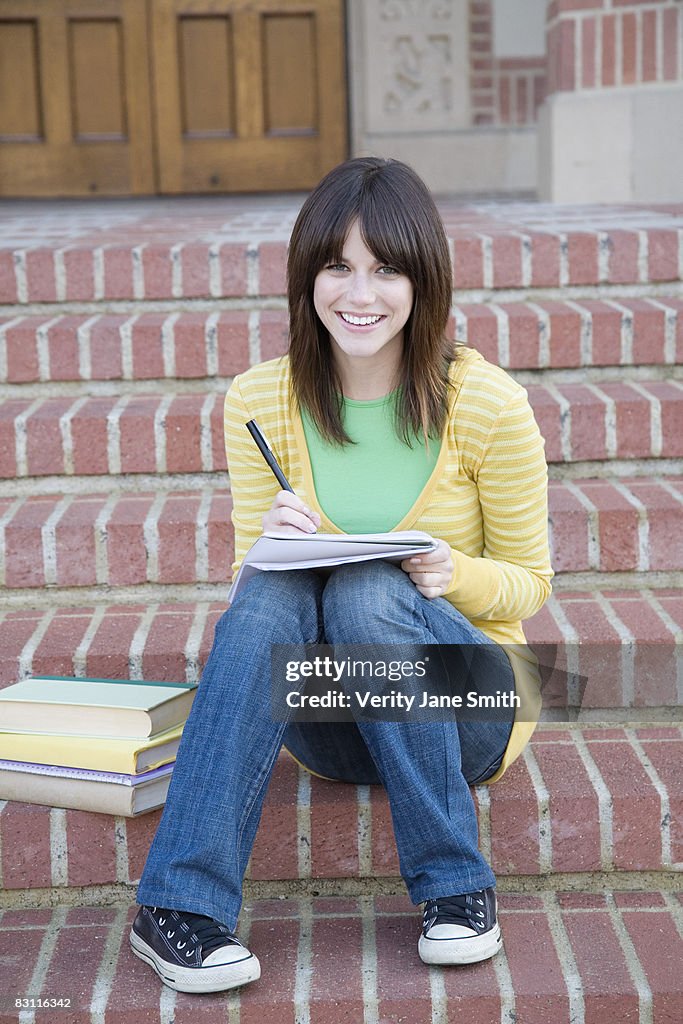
267, 111
20, 110
206, 77
95, 49
75, 115
290, 89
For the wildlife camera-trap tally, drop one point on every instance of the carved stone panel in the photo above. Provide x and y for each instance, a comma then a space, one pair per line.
415, 57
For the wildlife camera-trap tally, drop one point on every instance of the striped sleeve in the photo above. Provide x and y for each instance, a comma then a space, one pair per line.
253, 486
511, 579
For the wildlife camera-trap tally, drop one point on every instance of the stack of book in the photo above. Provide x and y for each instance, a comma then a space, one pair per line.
105, 745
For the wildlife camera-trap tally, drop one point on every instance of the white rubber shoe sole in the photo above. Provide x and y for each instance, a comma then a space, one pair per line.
218, 978
465, 950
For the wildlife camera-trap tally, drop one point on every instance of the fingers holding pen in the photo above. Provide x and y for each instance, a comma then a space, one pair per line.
289, 514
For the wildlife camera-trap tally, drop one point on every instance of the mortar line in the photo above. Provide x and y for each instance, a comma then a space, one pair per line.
21, 436
303, 822
643, 524
366, 905
202, 536
610, 417
364, 834
626, 331
664, 802
302, 979
31, 645
150, 532
670, 323
570, 971
4, 366
677, 633
137, 644
633, 964
121, 858
506, 988
49, 541
545, 826
586, 331
544, 334
628, 642
59, 852
47, 948
193, 644
101, 538
594, 554
484, 818
80, 658
605, 807
65, 421
656, 435
503, 334
168, 344
104, 980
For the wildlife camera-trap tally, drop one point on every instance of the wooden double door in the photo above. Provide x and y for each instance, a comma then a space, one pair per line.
131, 97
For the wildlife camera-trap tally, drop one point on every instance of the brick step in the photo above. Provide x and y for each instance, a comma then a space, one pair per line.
579, 800
616, 651
177, 344
169, 537
183, 433
567, 957
50, 253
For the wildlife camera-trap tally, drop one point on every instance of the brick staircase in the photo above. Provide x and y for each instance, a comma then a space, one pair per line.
121, 325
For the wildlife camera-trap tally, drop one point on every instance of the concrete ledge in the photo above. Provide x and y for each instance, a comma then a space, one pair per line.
466, 162
612, 145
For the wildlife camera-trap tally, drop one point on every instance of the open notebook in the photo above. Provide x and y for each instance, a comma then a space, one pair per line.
278, 551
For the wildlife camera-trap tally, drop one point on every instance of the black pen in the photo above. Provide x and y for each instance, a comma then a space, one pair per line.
267, 453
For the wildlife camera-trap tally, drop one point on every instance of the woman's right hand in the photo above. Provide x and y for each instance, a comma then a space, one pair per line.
289, 514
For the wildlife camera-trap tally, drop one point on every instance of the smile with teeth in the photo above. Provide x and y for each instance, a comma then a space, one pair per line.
361, 321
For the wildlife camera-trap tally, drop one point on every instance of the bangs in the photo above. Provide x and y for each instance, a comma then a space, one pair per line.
388, 232
386, 228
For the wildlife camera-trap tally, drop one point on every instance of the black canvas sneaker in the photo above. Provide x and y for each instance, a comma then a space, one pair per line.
460, 929
191, 952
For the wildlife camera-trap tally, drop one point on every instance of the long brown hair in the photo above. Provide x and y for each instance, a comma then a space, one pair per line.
401, 227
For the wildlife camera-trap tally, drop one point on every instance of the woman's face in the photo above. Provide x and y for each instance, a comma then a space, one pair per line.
364, 304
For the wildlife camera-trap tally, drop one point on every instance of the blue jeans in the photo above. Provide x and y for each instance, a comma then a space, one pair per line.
231, 741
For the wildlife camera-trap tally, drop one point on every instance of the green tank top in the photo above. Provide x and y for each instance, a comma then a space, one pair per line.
369, 486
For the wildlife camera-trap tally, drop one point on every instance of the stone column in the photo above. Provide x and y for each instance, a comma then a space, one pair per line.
611, 128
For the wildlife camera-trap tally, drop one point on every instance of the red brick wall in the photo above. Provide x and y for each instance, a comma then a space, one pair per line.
596, 44
504, 91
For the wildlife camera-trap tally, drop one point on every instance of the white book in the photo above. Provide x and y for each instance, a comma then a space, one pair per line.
85, 790
281, 551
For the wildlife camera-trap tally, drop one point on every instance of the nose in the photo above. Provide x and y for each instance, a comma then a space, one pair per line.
360, 289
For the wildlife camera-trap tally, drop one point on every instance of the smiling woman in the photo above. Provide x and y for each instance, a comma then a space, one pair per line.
380, 422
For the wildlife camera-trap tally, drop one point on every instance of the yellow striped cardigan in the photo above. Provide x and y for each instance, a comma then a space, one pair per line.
486, 497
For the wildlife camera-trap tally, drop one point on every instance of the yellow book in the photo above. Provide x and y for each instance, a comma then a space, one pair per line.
98, 753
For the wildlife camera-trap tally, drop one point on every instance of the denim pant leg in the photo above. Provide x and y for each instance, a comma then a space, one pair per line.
419, 762
228, 750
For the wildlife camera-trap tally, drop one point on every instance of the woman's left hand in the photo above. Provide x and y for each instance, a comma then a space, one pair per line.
431, 573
